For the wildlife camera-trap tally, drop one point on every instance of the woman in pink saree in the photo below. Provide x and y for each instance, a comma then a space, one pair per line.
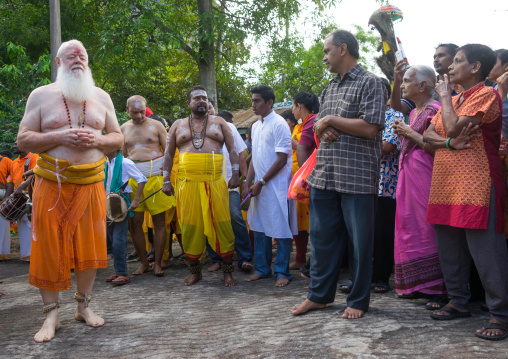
417, 269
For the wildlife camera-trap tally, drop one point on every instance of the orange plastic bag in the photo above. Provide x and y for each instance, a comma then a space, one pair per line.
299, 189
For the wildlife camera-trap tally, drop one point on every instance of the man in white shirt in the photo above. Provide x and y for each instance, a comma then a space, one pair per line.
271, 214
119, 171
242, 240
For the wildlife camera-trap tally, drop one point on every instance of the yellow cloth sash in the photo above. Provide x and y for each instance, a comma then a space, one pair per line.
63, 172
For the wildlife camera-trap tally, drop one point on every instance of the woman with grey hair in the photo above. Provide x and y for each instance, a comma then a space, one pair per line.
417, 268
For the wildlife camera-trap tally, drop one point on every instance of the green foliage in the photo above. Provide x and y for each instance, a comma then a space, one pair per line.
157, 49
18, 78
291, 68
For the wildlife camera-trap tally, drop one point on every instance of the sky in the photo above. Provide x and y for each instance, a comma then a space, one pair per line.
430, 22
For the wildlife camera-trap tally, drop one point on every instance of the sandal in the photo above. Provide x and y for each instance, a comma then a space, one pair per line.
120, 280
502, 327
112, 278
346, 286
440, 301
385, 287
133, 256
454, 313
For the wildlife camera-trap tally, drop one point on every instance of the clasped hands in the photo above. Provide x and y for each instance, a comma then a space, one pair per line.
324, 131
77, 137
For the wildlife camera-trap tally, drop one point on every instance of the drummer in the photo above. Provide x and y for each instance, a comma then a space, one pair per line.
25, 162
119, 171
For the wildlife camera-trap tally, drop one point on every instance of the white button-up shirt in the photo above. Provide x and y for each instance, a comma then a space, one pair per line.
129, 170
240, 146
272, 213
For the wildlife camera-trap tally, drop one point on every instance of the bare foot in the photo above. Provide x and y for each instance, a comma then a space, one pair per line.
282, 282
351, 313
87, 315
2, 293
492, 332
306, 306
296, 266
192, 279
142, 269
247, 267
47, 332
157, 270
214, 267
253, 277
229, 280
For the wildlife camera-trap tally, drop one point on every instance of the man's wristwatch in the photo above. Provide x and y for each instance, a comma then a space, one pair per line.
263, 182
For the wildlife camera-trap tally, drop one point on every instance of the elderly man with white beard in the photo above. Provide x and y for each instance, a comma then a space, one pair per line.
64, 123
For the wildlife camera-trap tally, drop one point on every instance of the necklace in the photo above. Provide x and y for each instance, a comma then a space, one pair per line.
198, 137
81, 118
419, 111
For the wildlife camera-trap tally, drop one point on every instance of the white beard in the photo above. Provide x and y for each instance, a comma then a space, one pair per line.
75, 86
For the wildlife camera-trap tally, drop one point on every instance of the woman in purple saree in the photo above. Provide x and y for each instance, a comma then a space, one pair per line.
417, 269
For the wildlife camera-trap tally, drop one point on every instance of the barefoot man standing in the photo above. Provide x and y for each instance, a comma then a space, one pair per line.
345, 178
201, 190
64, 123
145, 141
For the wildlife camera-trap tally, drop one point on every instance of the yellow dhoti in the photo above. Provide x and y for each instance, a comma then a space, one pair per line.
203, 205
156, 204
68, 221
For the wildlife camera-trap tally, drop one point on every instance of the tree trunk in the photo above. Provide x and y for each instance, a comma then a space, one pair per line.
55, 34
206, 56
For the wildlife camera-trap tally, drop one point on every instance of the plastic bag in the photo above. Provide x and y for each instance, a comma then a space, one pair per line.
299, 189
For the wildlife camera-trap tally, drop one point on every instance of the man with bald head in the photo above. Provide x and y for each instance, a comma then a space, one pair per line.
70, 124
145, 142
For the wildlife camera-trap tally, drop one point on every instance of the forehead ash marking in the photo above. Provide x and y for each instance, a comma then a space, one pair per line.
138, 105
77, 50
199, 93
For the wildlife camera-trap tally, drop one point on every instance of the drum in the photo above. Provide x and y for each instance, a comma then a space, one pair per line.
14, 207
2, 193
116, 207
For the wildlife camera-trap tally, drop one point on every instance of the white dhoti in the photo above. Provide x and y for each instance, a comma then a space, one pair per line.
25, 237
5, 239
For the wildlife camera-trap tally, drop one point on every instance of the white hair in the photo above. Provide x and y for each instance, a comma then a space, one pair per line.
64, 45
425, 74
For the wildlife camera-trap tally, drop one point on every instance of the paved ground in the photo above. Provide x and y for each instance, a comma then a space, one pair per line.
161, 318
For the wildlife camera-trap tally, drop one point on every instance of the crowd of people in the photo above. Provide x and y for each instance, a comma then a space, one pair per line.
409, 178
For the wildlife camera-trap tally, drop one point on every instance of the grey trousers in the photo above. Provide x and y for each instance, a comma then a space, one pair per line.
458, 247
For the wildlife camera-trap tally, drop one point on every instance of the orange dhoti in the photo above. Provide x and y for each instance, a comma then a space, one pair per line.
68, 224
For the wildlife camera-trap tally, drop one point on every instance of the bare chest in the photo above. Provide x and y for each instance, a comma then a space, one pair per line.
55, 115
197, 135
141, 136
